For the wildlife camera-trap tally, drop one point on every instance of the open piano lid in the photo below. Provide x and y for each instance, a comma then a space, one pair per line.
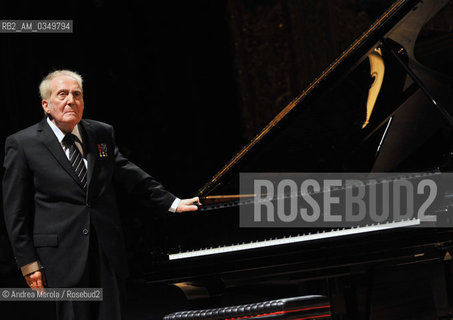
345, 121
374, 109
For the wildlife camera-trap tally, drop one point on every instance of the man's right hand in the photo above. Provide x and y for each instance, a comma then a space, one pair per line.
188, 205
36, 280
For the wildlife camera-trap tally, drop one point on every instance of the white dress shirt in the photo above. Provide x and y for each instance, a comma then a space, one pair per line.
60, 135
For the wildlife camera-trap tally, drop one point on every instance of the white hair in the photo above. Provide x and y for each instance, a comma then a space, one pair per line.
46, 90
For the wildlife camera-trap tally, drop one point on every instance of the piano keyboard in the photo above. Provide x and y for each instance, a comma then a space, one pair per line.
294, 239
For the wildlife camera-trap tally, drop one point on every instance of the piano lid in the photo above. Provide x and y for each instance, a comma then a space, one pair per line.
375, 108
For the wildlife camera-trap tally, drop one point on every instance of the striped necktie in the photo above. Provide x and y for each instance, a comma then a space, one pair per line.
76, 158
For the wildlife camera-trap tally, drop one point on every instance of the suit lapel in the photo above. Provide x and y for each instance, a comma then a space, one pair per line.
89, 140
51, 142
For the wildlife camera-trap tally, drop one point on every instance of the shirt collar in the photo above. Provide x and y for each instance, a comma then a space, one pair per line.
60, 135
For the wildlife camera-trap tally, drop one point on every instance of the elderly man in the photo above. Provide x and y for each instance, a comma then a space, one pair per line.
59, 200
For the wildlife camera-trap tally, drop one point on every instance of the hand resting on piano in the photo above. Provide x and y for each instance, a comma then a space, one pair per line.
188, 204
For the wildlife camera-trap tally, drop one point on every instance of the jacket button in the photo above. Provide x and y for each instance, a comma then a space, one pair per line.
85, 231
88, 204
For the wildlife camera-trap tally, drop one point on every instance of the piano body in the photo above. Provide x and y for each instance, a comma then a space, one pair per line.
374, 109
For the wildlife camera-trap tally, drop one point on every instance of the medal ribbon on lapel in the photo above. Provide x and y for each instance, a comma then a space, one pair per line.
102, 148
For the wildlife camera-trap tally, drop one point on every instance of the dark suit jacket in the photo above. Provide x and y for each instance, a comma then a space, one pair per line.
48, 213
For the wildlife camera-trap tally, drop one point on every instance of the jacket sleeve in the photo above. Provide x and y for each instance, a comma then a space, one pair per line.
18, 202
139, 183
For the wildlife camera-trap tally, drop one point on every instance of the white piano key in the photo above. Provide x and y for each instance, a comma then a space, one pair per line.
286, 240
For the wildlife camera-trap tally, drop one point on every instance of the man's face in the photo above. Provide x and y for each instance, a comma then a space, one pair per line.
65, 104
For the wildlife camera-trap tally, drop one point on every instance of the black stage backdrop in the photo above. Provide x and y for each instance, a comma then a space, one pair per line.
161, 72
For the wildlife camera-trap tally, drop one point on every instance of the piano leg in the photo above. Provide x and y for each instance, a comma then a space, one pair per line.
442, 290
421, 291
449, 285
415, 292
351, 295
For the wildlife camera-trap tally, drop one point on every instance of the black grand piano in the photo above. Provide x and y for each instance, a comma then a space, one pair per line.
391, 114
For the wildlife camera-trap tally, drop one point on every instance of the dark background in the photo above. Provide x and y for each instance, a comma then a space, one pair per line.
161, 73
184, 83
